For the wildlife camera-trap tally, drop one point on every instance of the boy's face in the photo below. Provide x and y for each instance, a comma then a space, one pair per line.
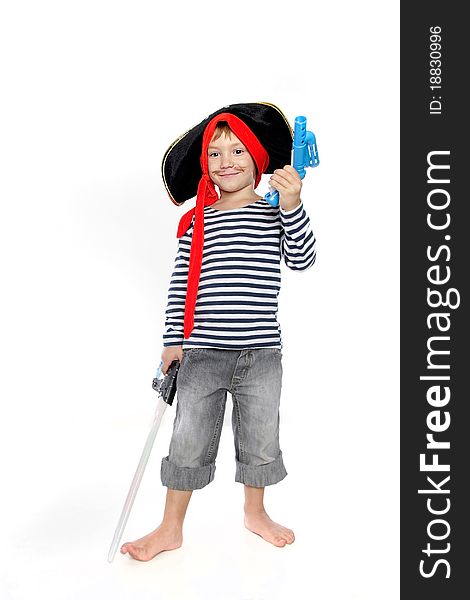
230, 164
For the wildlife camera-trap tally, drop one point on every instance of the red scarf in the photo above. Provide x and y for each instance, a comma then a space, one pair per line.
207, 195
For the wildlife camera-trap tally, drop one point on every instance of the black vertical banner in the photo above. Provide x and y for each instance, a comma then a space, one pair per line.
435, 267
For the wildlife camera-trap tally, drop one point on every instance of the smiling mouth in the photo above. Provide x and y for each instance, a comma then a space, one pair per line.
228, 174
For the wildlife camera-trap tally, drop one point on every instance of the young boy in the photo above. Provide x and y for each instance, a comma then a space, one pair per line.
222, 305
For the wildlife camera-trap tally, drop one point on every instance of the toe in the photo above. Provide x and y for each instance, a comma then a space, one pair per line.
289, 537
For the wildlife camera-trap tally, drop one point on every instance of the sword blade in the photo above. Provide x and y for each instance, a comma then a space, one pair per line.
161, 406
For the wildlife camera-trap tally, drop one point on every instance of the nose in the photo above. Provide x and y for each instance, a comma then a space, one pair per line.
226, 160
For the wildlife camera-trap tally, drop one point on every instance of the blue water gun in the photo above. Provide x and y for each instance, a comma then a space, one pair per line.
305, 154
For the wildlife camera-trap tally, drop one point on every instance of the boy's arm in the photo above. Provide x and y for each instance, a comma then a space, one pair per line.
298, 242
174, 314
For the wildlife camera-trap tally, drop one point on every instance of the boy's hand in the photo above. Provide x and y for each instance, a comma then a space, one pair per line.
288, 183
169, 354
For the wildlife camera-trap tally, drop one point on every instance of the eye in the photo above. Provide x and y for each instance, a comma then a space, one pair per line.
239, 151
212, 154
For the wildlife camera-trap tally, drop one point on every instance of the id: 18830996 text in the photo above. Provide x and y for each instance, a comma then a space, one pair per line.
435, 70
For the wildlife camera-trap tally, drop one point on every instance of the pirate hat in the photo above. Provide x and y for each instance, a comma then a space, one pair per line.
181, 164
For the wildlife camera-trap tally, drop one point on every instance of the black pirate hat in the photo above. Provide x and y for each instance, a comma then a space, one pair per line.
181, 166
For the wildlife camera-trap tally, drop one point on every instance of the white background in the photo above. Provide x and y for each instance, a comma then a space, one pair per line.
93, 94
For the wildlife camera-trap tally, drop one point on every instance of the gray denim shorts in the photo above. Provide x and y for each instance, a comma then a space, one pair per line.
253, 377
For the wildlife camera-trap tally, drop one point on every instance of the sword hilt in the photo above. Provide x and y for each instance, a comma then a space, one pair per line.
166, 387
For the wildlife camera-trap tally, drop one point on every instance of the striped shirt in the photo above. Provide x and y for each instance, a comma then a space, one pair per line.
237, 301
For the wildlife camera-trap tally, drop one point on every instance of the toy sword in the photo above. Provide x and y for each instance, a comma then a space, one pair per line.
305, 154
166, 388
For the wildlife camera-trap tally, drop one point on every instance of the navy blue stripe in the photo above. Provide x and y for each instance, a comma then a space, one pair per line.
240, 276
242, 259
229, 284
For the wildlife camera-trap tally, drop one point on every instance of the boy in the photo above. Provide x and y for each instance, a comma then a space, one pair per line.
222, 304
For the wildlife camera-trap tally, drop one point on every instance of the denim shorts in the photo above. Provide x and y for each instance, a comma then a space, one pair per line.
253, 377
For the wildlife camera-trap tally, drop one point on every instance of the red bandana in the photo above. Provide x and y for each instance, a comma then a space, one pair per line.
207, 195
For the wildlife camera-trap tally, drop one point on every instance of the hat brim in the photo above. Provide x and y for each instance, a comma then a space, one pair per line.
181, 166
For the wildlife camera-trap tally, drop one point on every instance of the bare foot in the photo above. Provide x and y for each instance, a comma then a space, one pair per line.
270, 531
163, 538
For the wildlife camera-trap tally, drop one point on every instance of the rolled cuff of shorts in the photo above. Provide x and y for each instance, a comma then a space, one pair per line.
262, 475
185, 478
